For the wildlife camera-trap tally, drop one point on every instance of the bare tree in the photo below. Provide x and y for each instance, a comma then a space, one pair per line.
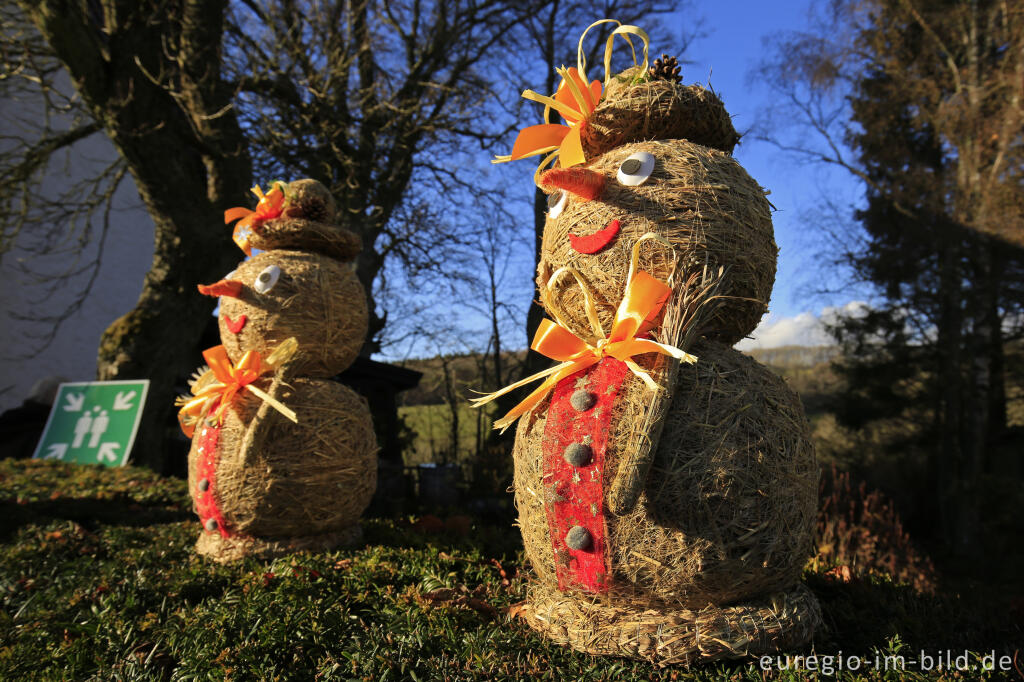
364, 96
369, 98
149, 75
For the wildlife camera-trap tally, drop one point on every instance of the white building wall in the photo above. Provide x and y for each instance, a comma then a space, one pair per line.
127, 255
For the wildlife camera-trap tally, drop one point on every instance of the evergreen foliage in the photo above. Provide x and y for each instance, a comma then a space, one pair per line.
932, 111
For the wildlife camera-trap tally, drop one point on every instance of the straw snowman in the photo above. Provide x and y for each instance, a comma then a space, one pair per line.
666, 484
282, 459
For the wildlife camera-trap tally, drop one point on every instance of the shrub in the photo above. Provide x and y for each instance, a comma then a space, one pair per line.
862, 530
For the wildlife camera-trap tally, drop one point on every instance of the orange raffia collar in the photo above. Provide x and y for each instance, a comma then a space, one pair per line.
215, 388
575, 100
642, 300
270, 206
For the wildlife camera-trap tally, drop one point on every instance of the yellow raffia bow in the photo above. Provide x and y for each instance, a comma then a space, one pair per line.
575, 100
215, 388
642, 300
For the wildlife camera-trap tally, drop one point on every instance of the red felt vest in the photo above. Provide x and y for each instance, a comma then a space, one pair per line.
207, 448
574, 495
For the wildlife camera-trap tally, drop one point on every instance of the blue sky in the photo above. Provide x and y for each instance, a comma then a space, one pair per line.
731, 50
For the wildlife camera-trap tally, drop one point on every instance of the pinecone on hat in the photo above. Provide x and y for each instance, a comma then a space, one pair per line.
666, 68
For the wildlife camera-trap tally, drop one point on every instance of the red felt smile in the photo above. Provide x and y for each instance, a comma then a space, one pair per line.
235, 326
593, 243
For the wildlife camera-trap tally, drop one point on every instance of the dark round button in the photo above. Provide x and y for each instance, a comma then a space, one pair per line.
582, 400
211, 524
578, 454
554, 198
631, 166
204, 484
264, 276
577, 538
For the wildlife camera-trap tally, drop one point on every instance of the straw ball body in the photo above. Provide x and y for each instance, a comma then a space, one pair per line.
279, 480
728, 509
700, 200
314, 298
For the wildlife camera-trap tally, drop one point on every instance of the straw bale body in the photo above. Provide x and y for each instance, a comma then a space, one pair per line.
262, 484
693, 544
316, 299
728, 509
282, 485
699, 199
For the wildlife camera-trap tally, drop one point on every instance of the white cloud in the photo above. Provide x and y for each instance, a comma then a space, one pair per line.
805, 329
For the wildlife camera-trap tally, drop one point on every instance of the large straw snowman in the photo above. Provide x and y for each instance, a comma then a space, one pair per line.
666, 483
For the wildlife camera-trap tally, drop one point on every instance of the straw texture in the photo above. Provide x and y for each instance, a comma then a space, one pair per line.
309, 199
672, 635
224, 550
710, 483
278, 485
307, 235
288, 484
657, 110
727, 511
699, 199
317, 300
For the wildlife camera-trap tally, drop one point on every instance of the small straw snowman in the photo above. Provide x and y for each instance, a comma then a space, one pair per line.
282, 459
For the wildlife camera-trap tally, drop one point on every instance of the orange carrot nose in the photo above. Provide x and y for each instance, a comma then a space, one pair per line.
225, 287
583, 182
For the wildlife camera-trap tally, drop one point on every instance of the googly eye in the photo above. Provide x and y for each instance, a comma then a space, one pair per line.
267, 279
636, 169
556, 202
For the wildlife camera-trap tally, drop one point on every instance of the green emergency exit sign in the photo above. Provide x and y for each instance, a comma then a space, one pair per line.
93, 422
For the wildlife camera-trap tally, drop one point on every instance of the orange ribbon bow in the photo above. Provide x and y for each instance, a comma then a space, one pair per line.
271, 206
219, 385
641, 302
575, 100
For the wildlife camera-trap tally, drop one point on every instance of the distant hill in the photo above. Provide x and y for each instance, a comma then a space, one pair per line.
785, 357
805, 367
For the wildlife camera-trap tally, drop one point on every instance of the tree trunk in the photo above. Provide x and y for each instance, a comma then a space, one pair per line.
150, 74
948, 465
997, 417
495, 330
368, 264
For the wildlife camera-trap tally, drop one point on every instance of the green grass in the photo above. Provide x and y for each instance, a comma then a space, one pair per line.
431, 425
98, 579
